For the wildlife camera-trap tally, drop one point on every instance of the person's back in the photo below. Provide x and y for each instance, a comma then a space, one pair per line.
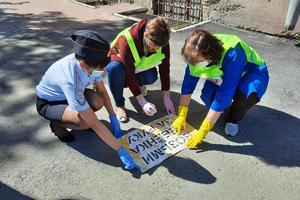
50, 87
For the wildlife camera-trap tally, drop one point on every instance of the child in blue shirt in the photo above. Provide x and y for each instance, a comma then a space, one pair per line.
64, 99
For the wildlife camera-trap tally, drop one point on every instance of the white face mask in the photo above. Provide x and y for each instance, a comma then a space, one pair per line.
202, 63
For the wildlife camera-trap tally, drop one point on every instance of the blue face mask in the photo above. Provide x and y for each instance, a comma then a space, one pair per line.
98, 75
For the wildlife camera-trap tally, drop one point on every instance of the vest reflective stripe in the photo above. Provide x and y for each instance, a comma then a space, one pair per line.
145, 62
210, 72
233, 40
229, 41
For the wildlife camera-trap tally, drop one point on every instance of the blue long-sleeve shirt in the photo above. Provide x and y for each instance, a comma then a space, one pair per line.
217, 98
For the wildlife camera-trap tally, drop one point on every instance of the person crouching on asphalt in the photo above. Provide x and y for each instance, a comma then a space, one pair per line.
235, 75
135, 53
64, 99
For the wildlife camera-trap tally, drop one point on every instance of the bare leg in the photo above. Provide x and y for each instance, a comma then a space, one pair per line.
71, 119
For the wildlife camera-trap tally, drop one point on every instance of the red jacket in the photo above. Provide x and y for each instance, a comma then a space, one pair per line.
121, 52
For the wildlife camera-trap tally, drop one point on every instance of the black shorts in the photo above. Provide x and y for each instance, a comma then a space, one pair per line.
51, 110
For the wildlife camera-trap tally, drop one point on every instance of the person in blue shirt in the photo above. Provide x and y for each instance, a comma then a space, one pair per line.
236, 77
63, 96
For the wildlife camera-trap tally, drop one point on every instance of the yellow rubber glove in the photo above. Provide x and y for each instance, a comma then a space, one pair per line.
180, 122
198, 137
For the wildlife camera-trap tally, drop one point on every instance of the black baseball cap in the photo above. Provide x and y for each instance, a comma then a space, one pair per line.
91, 47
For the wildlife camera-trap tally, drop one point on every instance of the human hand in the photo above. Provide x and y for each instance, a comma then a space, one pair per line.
180, 122
115, 126
169, 105
148, 108
199, 136
126, 159
196, 139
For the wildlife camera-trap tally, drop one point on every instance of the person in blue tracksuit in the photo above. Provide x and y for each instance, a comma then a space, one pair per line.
236, 77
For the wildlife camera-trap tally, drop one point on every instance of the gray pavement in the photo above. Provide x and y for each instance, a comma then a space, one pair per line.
262, 162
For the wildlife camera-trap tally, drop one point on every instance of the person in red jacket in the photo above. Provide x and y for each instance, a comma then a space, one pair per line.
135, 53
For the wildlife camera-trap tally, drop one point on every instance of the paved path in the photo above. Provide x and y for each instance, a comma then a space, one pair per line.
262, 162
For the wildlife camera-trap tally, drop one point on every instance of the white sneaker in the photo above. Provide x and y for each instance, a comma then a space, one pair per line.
231, 129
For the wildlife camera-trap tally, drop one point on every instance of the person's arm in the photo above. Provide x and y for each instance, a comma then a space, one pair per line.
164, 74
188, 86
101, 90
207, 124
90, 118
185, 100
180, 122
212, 116
164, 69
232, 68
168, 103
114, 122
128, 61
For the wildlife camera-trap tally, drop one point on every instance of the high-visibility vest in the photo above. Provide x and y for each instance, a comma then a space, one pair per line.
228, 41
145, 62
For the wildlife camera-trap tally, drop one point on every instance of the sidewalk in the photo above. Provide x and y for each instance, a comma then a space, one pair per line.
262, 162
255, 15
46, 16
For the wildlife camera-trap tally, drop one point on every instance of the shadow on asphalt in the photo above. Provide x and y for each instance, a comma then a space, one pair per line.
10, 193
264, 128
196, 110
184, 168
274, 137
29, 44
90, 145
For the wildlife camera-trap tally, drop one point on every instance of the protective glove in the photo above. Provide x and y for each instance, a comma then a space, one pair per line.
169, 105
115, 126
126, 159
180, 122
198, 137
148, 108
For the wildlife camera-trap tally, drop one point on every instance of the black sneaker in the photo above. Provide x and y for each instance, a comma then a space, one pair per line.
62, 133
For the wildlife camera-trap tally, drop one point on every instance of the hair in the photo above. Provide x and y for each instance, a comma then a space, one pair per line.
201, 43
93, 63
158, 31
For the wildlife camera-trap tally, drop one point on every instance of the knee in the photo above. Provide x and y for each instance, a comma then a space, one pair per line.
148, 78
79, 123
115, 68
96, 104
151, 79
93, 99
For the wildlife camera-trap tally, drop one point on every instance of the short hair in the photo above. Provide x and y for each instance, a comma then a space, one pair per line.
202, 43
158, 31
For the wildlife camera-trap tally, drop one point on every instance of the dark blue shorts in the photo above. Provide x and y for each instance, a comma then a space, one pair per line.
51, 110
